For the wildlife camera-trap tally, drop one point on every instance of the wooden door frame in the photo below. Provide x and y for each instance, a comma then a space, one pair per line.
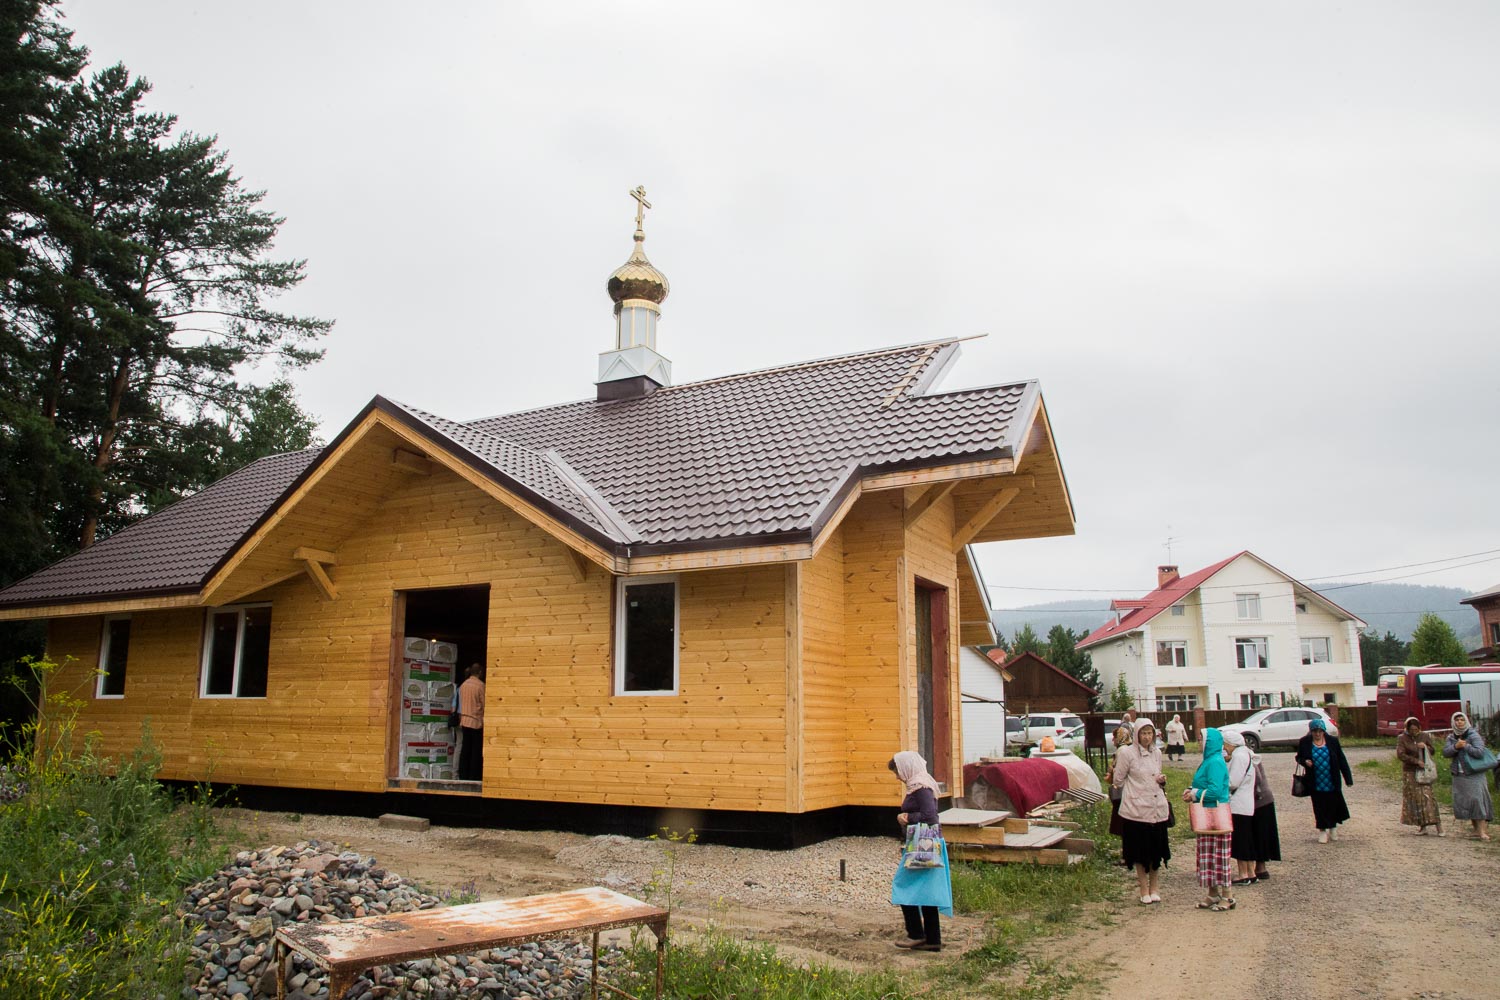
939, 641
393, 706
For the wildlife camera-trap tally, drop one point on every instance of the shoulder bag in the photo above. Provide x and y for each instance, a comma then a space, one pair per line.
1427, 773
1301, 786
1263, 796
924, 846
1487, 762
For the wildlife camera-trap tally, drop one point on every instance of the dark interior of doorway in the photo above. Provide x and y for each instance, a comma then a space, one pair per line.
459, 615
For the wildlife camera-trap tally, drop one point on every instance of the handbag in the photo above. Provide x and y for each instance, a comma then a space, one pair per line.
1210, 819
1478, 765
924, 846
1263, 796
1427, 773
1301, 787
1171, 816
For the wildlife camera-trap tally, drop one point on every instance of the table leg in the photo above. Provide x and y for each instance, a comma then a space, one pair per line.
278, 955
594, 971
338, 984
661, 954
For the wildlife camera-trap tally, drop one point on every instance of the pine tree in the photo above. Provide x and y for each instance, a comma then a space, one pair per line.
1027, 641
1434, 641
1062, 652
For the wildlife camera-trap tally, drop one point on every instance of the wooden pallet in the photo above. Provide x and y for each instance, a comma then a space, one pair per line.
1018, 841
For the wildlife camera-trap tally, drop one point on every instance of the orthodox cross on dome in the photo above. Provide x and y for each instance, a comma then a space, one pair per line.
641, 204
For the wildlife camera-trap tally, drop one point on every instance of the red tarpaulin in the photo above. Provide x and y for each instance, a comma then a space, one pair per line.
1028, 782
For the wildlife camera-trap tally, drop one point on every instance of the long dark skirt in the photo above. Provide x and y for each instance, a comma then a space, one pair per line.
1329, 808
1267, 836
1242, 843
1115, 822
1145, 844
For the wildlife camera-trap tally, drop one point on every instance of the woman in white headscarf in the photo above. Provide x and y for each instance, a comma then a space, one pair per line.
1176, 738
1241, 806
1471, 788
922, 893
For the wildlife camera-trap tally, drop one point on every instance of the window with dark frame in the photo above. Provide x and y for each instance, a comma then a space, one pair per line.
646, 646
114, 652
236, 652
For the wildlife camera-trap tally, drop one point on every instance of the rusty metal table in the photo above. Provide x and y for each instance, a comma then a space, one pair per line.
347, 948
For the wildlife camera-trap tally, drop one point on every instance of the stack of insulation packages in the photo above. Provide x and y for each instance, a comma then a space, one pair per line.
427, 687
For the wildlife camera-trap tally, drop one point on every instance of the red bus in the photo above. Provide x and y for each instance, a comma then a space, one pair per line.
1433, 693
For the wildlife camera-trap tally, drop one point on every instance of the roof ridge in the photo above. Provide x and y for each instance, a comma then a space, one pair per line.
591, 497
750, 373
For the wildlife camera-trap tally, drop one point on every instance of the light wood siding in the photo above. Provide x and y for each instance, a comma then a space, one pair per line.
554, 728
930, 556
872, 659
826, 693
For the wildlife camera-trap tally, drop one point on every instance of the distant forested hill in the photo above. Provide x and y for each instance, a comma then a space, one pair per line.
1393, 607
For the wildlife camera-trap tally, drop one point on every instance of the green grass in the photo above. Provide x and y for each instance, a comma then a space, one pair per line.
1389, 770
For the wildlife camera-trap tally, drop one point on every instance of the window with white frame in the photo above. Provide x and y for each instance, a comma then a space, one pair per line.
646, 612
1247, 606
1256, 700
114, 651
1178, 610
1317, 649
1172, 653
237, 652
1251, 654
1176, 702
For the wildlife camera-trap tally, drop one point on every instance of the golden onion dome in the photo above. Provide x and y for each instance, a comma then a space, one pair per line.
637, 278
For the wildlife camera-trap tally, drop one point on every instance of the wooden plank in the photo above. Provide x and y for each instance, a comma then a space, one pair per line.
319, 577
308, 554
961, 816
792, 618
1009, 855
1078, 845
916, 511
411, 462
106, 607
578, 563
985, 515
990, 836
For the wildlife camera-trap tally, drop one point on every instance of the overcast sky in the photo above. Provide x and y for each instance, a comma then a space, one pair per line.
1251, 253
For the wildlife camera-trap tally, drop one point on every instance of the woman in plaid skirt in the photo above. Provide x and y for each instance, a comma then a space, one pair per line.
1211, 787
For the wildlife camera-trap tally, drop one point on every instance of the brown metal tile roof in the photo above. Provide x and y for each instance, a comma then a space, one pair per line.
761, 456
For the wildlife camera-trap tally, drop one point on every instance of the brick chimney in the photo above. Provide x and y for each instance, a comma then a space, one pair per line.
1165, 575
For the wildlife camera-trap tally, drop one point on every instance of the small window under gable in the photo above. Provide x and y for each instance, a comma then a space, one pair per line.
236, 652
1178, 610
114, 651
646, 613
1247, 606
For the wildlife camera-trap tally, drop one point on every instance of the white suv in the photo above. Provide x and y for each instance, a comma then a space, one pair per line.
1052, 724
1280, 726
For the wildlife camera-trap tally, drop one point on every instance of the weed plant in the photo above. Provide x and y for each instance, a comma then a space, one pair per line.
93, 856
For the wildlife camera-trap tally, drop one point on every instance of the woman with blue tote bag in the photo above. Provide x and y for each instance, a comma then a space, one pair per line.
921, 886
1470, 759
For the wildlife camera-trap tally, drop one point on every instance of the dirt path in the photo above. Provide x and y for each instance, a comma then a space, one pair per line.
1360, 917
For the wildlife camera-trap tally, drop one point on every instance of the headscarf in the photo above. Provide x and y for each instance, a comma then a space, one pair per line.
1213, 774
912, 769
1409, 720
1176, 718
1317, 723
1233, 737
1468, 723
1127, 739
1143, 724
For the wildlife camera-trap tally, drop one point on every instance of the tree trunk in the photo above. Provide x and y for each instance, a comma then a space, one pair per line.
104, 454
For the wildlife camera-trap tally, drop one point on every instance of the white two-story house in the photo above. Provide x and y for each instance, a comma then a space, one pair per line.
1237, 634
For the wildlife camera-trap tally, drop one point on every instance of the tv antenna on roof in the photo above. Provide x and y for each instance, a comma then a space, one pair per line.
1168, 543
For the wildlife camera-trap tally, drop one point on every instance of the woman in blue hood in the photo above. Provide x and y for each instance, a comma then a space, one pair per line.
1211, 788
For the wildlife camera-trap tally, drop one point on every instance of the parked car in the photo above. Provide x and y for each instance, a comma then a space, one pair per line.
1053, 724
1015, 730
1279, 727
1071, 740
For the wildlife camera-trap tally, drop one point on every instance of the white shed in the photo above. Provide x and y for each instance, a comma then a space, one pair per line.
982, 683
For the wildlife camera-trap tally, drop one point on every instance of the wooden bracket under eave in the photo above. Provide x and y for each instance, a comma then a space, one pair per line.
313, 561
578, 562
927, 499
983, 516
410, 461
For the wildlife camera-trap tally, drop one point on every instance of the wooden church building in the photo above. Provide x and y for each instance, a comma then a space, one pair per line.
725, 603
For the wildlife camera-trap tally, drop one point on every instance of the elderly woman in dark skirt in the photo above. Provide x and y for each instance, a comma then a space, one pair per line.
1144, 811
1471, 790
1324, 760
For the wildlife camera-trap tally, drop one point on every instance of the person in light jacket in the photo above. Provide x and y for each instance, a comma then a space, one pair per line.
1143, 809
1471, 790
1242, 807
1176, 738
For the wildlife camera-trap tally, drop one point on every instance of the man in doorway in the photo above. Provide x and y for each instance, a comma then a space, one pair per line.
471, 725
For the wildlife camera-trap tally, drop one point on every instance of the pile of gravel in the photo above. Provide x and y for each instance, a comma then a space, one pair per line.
239, 908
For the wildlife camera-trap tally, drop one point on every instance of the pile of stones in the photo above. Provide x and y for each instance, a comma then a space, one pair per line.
238, 909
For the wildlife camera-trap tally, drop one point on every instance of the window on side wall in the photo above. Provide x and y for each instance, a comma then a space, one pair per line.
1178, 611
1247, 606
1255, 701
114, 651
1172, 653
1318, 649
646, 612
236, 652
1251, 654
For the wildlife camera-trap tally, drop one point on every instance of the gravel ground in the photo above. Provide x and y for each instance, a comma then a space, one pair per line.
1360, 917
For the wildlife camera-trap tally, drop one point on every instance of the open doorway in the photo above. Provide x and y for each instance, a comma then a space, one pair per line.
934, 725
439, 633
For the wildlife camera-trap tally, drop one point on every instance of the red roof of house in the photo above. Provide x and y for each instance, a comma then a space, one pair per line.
1156, 602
